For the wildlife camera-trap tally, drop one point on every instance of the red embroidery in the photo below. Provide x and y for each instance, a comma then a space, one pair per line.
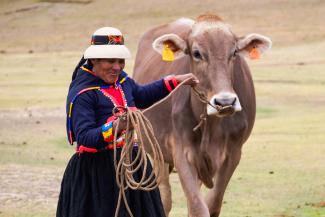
115, 95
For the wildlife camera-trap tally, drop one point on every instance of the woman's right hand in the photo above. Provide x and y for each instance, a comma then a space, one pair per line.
121, 125
190, 78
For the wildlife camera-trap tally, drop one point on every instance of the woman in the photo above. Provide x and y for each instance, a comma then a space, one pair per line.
99, 84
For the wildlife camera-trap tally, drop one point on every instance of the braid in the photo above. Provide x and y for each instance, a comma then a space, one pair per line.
81, 62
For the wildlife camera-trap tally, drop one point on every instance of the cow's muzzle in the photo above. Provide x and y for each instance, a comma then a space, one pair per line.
224, 104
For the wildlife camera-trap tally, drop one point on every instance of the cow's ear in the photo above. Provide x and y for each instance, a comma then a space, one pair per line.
253, 45
174, 42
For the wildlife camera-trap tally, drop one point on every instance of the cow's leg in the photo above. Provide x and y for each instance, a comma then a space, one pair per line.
188, 177
165, 190
215, 195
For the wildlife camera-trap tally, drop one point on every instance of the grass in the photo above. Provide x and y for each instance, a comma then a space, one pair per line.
282, 170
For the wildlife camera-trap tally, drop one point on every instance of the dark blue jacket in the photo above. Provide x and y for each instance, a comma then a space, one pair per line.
90, 108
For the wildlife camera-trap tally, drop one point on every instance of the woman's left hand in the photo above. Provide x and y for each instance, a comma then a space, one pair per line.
190, 78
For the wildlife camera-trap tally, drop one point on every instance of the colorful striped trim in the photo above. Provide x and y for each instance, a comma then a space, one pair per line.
82, 149
169, 88
107, 40
87, 70
107, 132
170, 83
123, 79
175, 82
123, 95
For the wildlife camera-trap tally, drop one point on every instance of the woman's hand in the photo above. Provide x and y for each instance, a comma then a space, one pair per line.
190, 79
121, 125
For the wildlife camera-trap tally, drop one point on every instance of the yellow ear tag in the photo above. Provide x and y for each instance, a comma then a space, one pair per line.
254, 54
167, 54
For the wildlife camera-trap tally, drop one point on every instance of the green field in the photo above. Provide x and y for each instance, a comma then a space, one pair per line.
282, 171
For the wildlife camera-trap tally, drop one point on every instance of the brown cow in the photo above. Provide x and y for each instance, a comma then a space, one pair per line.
207, 48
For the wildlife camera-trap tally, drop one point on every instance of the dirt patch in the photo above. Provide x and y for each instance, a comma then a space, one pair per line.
50, 122
32, 112
29, 187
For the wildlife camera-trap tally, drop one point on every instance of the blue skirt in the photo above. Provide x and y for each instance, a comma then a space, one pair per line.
89, 189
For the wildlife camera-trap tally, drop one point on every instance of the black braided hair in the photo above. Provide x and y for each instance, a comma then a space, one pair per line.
81, 62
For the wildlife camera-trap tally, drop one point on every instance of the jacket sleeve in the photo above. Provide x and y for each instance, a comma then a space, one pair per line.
146, 95
87, 133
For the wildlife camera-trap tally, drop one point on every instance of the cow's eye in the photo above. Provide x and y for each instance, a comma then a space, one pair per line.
233, 54
197, 55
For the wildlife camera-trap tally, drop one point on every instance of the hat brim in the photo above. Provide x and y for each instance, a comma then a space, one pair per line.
107, 51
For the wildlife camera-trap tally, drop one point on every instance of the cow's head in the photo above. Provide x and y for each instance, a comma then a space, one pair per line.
212, 48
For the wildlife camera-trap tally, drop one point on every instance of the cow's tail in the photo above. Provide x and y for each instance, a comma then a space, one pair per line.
205, 169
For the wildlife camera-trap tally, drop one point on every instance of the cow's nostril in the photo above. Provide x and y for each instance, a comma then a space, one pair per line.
216, 102
233, 102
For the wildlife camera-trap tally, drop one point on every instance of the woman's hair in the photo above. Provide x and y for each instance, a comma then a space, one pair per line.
81, 62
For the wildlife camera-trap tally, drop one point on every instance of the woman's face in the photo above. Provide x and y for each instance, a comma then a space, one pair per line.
108, 69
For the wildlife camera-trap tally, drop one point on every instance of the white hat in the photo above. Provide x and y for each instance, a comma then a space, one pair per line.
107, 42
